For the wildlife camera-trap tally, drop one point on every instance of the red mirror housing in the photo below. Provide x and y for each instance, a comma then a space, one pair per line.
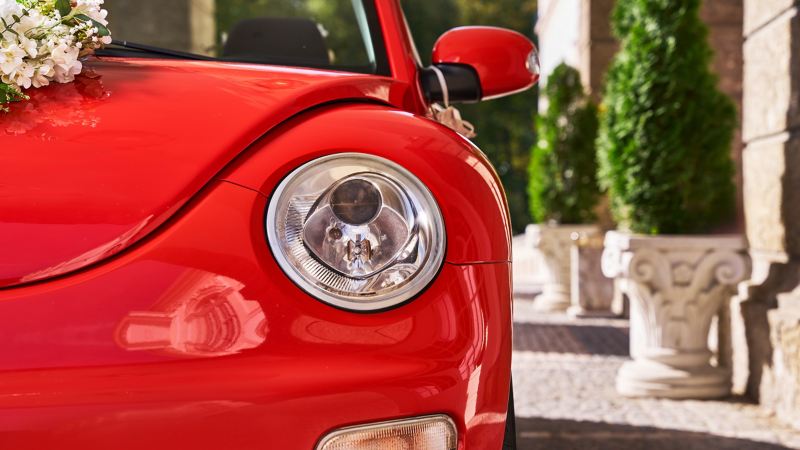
506, 62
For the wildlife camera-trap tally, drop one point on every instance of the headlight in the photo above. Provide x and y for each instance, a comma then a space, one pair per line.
356, 231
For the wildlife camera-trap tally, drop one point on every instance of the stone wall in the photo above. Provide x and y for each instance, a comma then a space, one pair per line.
597, 44
767, 355
577, 32
724, 20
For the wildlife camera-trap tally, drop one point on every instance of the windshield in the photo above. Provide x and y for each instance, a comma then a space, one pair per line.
329, 34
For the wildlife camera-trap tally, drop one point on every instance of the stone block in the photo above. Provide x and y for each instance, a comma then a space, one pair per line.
772, 193
763, 191
759, 12
772, 77
773, 276
780, 387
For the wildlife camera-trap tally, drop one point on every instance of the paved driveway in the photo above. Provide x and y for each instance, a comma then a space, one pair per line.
565, 399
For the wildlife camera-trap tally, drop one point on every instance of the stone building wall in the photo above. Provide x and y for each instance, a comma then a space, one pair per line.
725, 24
577, 32
597, 44
767, 310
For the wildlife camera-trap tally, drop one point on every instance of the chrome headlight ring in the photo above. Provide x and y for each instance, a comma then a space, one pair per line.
356, 231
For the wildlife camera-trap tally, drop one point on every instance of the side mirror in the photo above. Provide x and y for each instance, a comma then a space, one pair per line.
481, 63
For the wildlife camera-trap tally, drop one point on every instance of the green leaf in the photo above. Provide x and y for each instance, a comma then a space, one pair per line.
64, 7
102, 30
10, 94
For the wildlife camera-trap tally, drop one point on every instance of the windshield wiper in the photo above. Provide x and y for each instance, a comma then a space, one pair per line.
157, 50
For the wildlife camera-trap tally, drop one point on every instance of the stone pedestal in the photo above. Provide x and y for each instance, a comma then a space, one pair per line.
676, 285
781, 387
554, 242
591, 292
527, 267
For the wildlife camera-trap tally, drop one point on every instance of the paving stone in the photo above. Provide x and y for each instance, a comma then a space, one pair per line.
564, 373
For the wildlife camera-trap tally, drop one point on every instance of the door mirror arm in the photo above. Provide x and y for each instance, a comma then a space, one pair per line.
461, 81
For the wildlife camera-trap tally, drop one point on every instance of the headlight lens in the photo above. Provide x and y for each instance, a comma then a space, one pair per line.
356, 231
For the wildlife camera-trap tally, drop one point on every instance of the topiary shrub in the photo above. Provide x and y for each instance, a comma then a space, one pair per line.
563, 169
666, 130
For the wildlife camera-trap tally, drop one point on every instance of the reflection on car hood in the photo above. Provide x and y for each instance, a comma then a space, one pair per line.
90, 167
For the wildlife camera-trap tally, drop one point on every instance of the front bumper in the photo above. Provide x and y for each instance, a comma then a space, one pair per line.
195, 339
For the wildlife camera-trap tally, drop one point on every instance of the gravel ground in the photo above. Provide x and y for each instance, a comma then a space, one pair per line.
564, 372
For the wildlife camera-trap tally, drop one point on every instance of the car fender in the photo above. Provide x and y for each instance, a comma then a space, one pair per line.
462, 180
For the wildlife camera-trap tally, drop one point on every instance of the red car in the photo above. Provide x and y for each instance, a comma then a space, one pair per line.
265, 245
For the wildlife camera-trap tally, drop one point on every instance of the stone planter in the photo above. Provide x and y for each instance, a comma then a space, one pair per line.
676, 285
554, 243
527, 268
592, 292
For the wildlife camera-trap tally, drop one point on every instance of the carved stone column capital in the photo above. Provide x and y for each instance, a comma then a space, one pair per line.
676, 285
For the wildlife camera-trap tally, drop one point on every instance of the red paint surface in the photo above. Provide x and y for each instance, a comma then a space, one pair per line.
499, 56
71, 378
87, 169
140, 306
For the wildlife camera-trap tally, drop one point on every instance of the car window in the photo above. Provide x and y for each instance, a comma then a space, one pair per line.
336, 34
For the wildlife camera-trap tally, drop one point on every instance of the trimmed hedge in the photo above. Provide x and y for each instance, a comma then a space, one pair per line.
666, 130
563, 169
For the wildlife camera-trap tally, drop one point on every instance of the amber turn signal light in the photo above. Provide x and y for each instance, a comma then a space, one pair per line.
421, 433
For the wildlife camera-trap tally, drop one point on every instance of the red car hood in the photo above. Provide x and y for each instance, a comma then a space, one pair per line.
89, 168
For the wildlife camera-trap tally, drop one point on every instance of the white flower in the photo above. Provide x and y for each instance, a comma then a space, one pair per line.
65, 62
29, 45
22, 74
94, 10
9, 8
11, 56
43, 75
37, 48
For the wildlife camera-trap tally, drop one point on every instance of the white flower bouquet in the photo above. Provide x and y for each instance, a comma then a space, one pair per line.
43, 40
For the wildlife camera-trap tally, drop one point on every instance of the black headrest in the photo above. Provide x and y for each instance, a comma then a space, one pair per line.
277, 40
